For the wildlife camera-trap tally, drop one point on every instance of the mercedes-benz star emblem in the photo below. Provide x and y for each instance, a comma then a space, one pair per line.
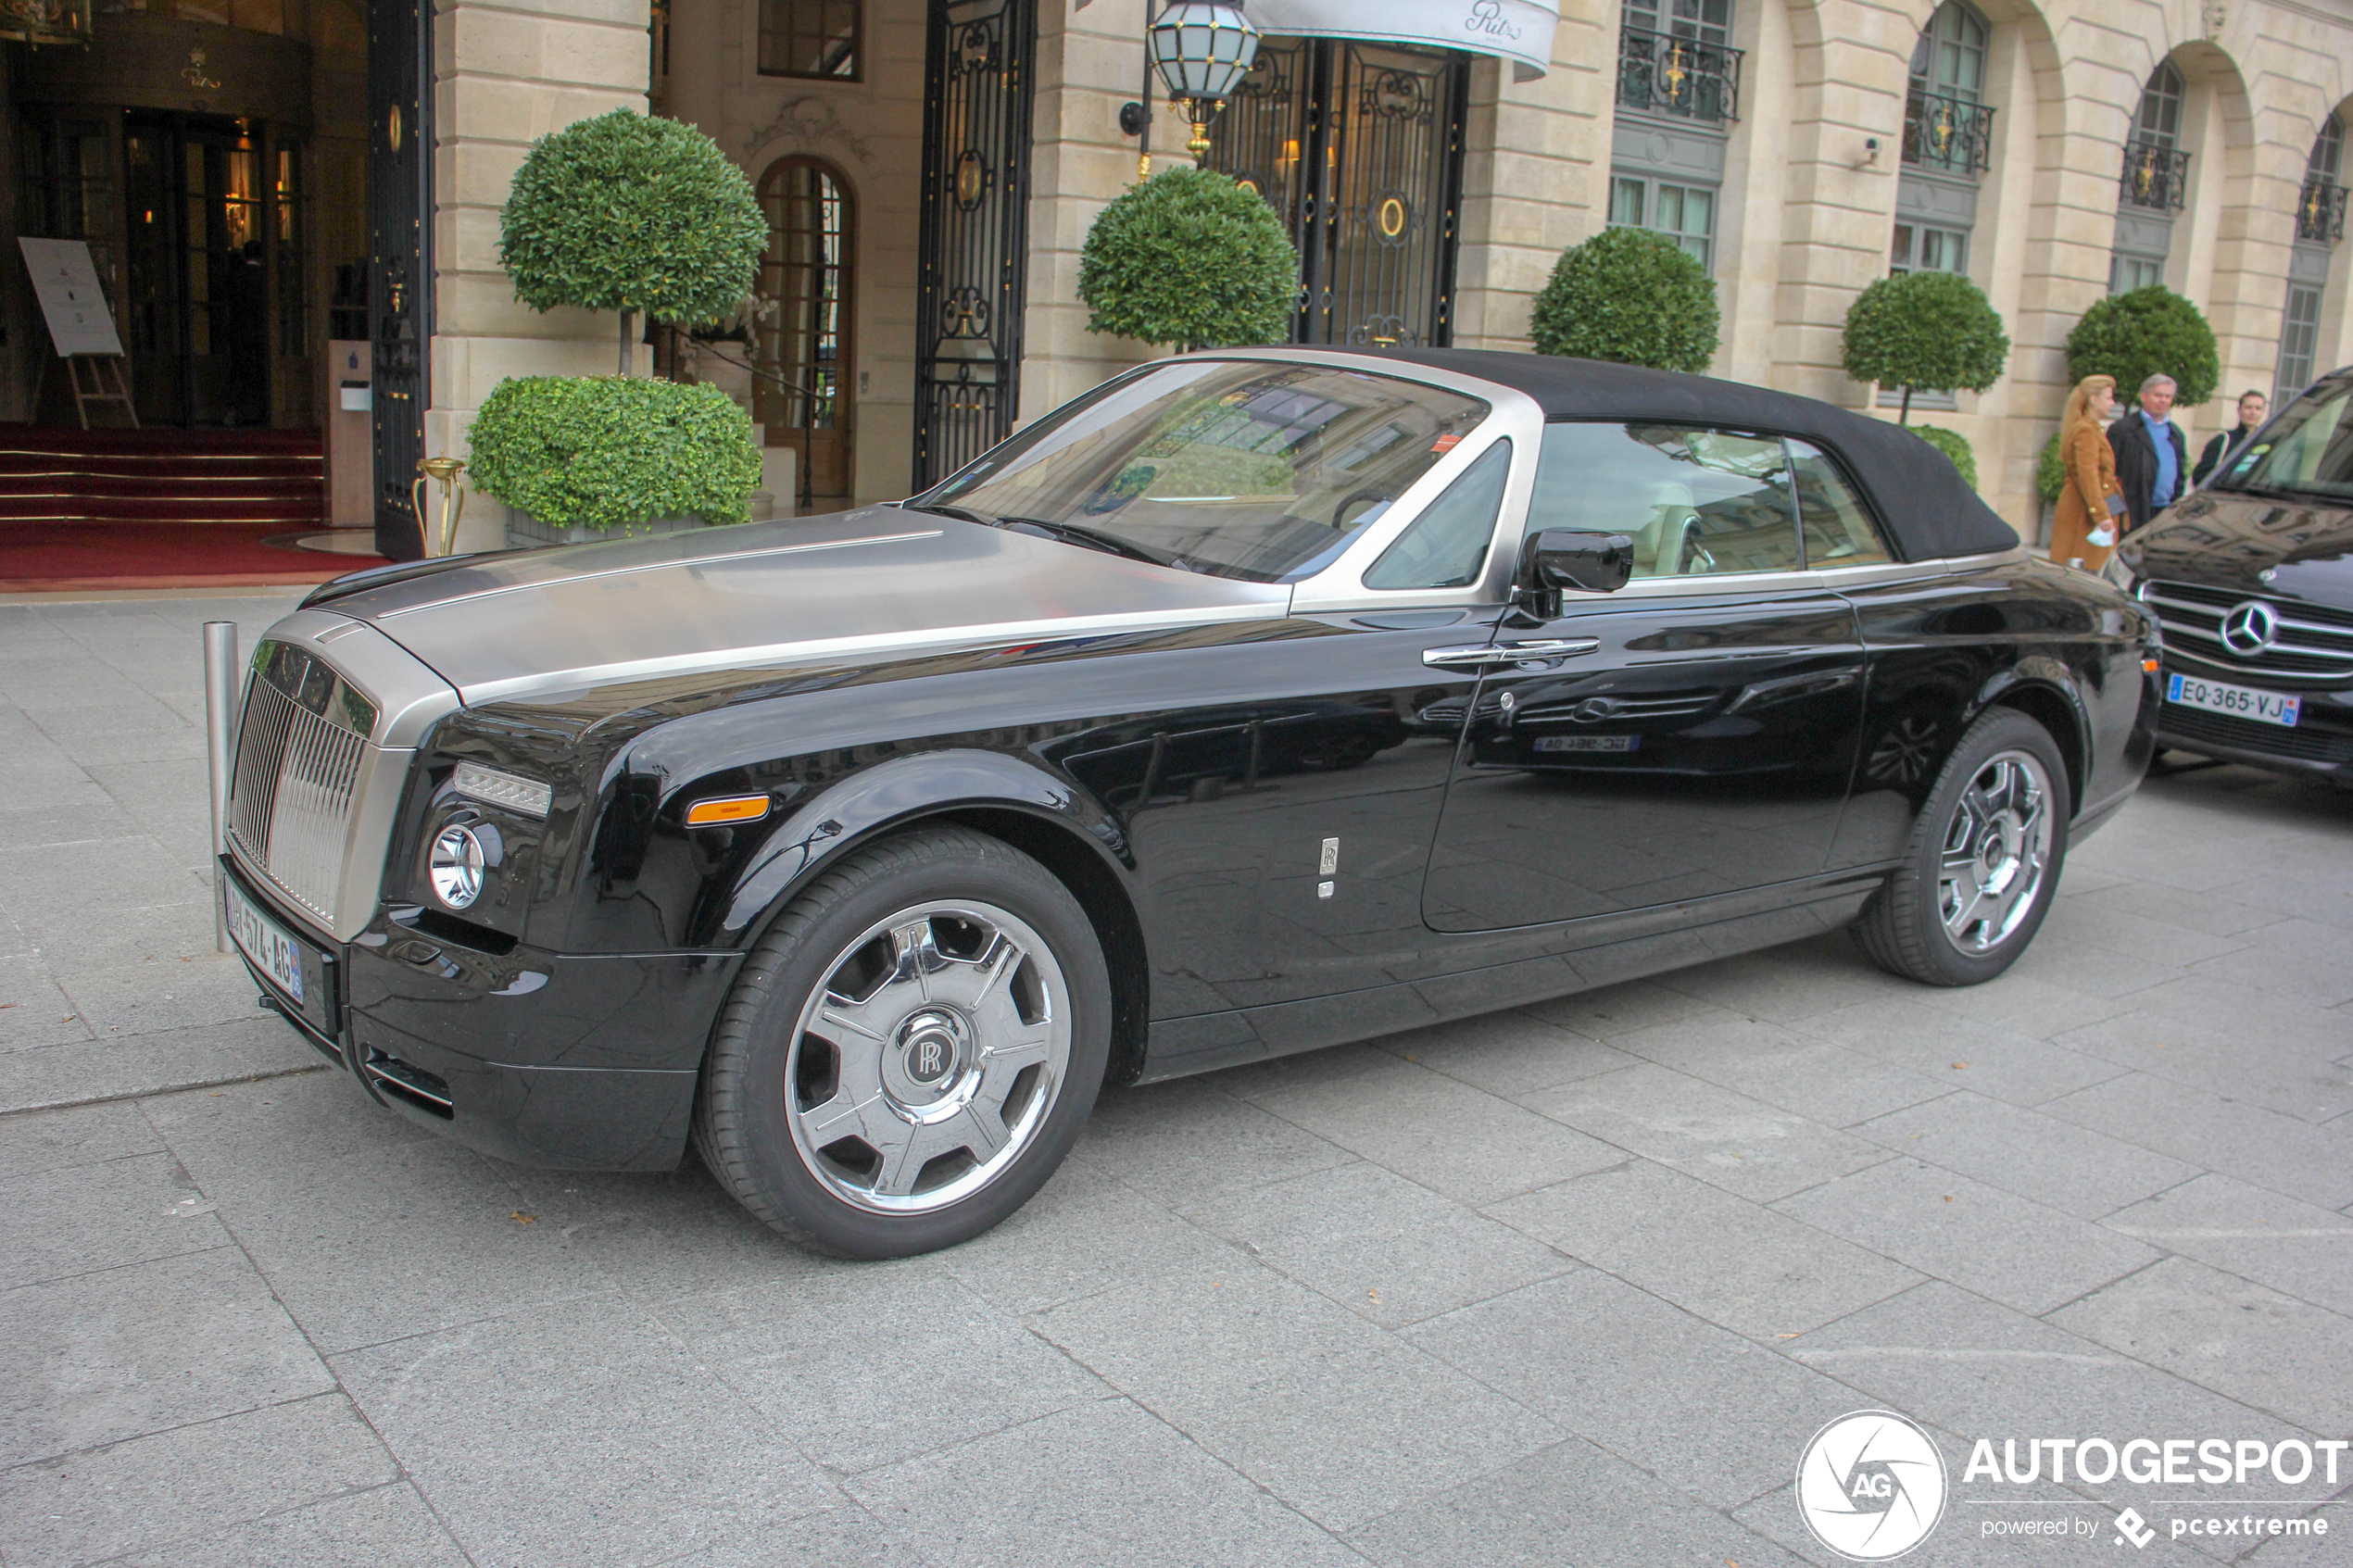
2249, 628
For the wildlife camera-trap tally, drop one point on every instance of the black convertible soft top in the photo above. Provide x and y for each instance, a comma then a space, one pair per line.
1919, 495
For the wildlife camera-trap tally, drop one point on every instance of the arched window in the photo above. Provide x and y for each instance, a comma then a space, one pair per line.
2320, 207
803, 392
2159, 120
1950, 56
1947, 125
2154, 185
2328, 150
1679, 81
1675, 57
2320, 224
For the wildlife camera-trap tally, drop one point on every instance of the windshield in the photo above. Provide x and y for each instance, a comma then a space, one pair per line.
1246, 469
2308, 449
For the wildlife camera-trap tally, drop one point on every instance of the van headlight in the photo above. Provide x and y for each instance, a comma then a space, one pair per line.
456, 865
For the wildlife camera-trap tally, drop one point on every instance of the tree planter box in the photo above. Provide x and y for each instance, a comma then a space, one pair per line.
527, 533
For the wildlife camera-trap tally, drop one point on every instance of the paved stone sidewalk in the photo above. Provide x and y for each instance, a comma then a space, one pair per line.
1569, 1285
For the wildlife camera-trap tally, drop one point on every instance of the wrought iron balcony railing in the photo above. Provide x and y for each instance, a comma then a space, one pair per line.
1679, 76
2155, 177
1951, 135
2320, 211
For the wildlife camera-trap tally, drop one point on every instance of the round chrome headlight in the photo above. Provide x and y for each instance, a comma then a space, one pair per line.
455, 867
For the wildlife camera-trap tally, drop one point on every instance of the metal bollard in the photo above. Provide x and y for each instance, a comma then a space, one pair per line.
222, 686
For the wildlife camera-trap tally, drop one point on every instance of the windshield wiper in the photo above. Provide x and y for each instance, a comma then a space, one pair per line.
1096, 538
962, 514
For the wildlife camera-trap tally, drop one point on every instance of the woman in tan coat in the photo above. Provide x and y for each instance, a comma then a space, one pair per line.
2091, 509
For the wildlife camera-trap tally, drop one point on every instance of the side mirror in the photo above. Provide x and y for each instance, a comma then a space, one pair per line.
1563, 558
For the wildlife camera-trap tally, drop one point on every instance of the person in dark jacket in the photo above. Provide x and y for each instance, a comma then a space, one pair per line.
2253, 405
2152, 456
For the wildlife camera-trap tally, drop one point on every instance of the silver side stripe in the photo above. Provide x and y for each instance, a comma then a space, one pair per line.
1060, 628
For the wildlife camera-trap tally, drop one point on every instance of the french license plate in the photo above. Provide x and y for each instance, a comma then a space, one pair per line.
264, 941
1588, 742
2241, 702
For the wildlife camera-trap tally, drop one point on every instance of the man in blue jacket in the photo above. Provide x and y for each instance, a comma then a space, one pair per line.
2152, 455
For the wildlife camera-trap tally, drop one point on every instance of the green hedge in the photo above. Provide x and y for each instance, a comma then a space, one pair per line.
2050, 471
1954, 445
1632, 298
2148, 332
1189, 258
613, 452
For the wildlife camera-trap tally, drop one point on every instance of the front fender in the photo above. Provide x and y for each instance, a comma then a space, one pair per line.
822, 829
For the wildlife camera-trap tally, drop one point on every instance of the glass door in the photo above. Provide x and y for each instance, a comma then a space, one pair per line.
227, 275
199, 297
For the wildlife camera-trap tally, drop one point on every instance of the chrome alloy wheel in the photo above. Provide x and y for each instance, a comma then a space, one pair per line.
1997, 849
927, 1061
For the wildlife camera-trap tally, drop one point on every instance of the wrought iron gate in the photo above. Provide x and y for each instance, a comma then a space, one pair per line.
400, 249
1358, 147
975, 213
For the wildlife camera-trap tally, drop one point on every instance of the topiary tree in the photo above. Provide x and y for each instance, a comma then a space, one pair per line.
613, 452
628, 212
1632, 298
1925, 330
1192, 258
2148, 332
1954, 445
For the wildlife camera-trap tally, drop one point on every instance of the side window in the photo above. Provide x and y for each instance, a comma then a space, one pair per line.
1839, 531
1697, 503
1446, 546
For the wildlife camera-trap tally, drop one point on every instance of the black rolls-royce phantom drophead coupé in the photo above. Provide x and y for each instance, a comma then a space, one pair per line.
1257, 700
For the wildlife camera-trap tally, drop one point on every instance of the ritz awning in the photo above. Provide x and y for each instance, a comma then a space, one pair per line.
1518, 31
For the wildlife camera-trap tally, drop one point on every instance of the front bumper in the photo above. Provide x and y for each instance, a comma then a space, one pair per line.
2319, 744
543, 1059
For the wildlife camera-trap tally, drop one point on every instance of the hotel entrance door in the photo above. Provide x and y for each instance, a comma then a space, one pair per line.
214, 297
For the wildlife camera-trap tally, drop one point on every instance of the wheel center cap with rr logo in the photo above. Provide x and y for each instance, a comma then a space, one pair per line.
930, 1046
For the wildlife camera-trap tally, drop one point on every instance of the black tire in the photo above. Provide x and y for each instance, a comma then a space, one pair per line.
1903, 928
753, 1109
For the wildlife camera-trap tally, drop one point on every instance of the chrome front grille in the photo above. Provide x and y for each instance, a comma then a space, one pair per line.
300, 752
2311, 642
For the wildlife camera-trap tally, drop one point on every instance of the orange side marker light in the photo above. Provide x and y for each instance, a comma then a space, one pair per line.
726, 808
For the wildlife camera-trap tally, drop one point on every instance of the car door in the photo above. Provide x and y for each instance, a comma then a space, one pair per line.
1691, 736
1283, 828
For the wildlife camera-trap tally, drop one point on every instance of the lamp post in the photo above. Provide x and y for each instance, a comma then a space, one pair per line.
1203, 48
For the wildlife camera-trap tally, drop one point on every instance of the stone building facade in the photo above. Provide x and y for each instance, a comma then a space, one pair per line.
1808, 168
2052, 151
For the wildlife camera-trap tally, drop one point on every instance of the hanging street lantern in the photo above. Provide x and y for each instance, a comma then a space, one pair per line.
1203, 48
45, 22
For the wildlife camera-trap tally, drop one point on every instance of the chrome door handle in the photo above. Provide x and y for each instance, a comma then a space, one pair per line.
1487, 655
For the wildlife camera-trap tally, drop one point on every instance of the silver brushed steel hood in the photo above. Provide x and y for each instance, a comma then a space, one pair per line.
879, 581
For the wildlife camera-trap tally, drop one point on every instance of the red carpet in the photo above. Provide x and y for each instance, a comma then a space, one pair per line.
161, 508
56, 557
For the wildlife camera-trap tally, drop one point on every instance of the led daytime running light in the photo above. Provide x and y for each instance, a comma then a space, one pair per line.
528, 797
